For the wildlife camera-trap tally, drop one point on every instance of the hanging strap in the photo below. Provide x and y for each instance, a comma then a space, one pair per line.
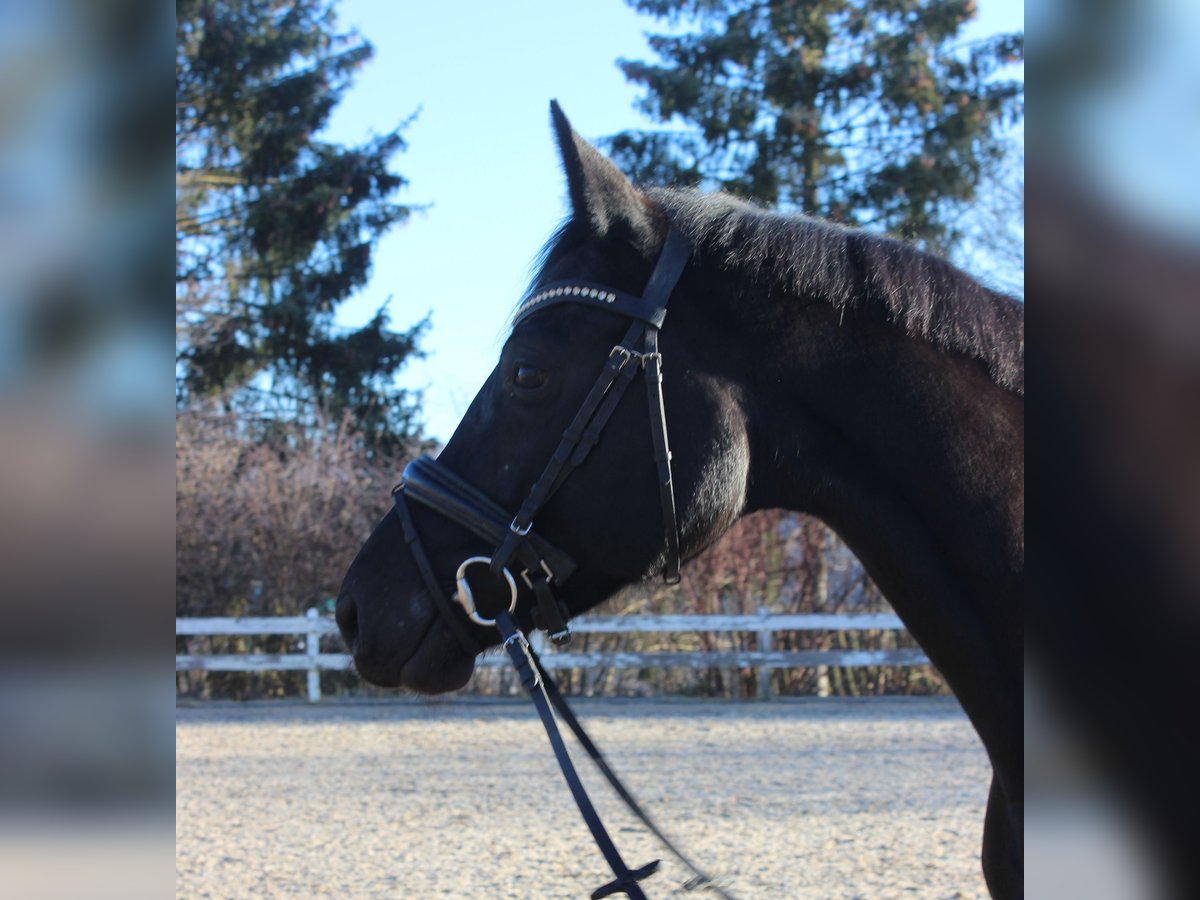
625, 880
700, 878
545, 693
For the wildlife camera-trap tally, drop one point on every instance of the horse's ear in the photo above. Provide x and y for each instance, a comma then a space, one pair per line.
601, 196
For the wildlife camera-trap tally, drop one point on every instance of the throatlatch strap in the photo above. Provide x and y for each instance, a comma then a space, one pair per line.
625, 880
662, 454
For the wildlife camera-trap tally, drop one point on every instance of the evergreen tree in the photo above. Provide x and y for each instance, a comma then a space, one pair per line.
274, 229
868, 112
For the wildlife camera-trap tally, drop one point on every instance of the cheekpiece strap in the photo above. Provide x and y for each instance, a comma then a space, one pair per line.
676, 252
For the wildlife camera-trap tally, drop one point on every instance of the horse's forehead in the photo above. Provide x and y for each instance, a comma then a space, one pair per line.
565, 328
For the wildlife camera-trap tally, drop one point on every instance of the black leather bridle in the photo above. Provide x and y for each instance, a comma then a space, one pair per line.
538, 562
518, 547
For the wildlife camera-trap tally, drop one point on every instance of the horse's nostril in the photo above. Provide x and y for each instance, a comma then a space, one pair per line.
346, 615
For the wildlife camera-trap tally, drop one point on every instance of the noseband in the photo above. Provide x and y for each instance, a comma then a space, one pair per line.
541, 565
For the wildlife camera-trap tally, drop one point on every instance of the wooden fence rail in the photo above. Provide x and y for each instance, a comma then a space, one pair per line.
314, 626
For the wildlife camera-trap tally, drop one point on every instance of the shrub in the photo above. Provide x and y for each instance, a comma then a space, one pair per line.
268, 527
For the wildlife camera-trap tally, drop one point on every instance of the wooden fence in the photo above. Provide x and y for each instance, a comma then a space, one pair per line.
314, 626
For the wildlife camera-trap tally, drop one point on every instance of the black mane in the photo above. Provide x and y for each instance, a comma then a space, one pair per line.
803, 256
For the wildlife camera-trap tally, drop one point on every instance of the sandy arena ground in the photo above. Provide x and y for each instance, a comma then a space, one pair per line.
814, 798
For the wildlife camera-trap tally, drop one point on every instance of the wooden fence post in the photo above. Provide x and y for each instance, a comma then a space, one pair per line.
312, 646
764, 646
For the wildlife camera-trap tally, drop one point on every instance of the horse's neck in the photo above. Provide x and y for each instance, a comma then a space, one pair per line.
915, 457
855, 421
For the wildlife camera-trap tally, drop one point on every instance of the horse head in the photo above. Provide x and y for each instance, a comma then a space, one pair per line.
623, 513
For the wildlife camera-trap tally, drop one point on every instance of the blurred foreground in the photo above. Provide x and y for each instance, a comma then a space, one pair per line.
85, 436
1113, 283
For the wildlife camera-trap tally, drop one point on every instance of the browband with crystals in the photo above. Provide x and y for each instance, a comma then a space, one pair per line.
629, 305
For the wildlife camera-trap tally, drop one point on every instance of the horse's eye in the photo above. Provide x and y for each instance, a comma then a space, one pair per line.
529, 377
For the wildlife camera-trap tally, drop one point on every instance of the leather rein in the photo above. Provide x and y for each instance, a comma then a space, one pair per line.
540, 564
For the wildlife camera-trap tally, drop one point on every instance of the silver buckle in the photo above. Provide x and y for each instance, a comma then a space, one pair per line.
467, 599
544, 567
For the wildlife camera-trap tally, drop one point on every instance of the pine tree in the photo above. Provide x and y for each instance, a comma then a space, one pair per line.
868, 112
274, 228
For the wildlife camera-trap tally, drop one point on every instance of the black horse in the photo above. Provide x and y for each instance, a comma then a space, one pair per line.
809, 367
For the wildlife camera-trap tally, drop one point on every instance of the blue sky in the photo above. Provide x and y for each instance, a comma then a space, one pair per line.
481, 156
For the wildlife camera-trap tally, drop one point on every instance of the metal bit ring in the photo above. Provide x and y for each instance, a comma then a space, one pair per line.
467, 599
